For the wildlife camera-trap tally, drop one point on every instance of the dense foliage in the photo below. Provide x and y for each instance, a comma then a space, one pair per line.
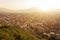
14, 33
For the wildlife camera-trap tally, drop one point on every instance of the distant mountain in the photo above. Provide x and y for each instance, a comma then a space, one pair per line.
31, 10
4, 10
7, 10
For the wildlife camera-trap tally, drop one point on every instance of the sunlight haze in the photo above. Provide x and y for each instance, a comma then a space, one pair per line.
26, 4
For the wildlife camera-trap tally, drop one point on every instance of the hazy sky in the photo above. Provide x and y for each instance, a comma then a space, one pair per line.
25, 4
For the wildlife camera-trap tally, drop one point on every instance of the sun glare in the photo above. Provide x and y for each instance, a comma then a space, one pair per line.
43, 7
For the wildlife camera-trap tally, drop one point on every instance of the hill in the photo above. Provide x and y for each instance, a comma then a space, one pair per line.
14, 33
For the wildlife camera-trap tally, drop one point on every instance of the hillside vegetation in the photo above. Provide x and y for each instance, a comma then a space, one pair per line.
14, 33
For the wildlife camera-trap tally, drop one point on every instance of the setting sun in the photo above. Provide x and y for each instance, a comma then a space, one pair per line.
36, 3
43, 8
